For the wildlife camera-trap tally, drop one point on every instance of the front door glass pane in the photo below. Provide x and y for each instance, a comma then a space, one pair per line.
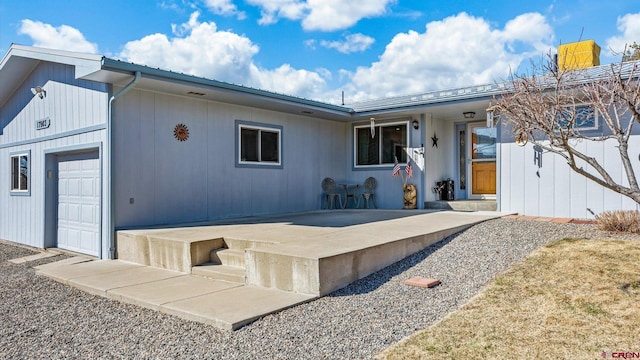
483, 143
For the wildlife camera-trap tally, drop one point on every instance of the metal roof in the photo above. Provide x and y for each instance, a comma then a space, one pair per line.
487, 91
431, 97
118, 65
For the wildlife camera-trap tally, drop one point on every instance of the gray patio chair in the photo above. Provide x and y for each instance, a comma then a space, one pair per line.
330, 189
368, 192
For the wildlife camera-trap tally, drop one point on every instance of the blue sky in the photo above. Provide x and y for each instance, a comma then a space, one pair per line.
318, 48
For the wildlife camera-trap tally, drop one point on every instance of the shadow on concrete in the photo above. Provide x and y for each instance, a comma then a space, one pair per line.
338, 218
319, 218
381, 277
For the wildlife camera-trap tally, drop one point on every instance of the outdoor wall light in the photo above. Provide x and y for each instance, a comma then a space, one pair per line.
38, 90
469, 114
415, 124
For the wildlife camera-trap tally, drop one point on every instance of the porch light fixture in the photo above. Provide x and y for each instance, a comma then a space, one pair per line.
373, 127
39, 91
415, 124
469, 114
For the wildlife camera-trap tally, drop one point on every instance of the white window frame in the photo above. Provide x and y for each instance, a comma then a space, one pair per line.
405, 123
260, 127
18, 191
596, 117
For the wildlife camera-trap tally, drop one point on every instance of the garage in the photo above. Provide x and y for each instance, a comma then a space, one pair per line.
78, 223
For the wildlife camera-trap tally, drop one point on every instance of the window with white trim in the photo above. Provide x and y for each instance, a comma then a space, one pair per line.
388, 144
581, 117
259, 145
20, 173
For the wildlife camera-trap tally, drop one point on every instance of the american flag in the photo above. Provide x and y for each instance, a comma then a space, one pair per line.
396, 170
409, 170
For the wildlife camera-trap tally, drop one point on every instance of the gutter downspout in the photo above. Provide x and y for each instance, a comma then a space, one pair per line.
111, 213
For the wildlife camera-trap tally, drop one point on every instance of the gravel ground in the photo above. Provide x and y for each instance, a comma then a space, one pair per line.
43, 319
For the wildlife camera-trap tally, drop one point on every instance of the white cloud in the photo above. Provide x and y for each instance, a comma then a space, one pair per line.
311, 43
629, 26
323, 15
168, 5
63, 37
287, 80
329, 15
201, 49
531, 29
224, 7
197, 49
458, 51
272, 10
353, 43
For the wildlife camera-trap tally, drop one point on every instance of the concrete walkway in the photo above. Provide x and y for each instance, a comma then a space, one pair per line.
222, 304
229, 305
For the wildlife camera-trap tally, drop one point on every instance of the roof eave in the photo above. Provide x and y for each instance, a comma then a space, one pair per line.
130, 68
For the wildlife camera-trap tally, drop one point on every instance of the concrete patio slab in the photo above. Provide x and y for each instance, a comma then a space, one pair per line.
101, 283
290, 259
233, 308
152, 295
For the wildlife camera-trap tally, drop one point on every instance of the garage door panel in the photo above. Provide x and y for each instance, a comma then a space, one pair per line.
79, 203
62, 187
88, 239
62, 211
73, 213
88, 187
74, 187
87, 214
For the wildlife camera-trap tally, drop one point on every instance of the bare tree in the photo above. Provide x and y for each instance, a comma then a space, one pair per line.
557, 110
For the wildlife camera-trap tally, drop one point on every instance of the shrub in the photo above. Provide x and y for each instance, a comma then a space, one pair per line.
619, 220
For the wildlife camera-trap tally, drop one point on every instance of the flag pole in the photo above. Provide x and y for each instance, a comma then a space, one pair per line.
401, 176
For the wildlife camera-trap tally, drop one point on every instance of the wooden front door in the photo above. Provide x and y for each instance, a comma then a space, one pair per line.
481, 161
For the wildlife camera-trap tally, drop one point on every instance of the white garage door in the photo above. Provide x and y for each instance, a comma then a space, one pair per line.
79, 203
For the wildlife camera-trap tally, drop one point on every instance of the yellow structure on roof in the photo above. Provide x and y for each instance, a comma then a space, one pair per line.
578, 55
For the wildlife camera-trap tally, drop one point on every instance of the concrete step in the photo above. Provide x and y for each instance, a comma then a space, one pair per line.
241, 244
221, 272
231, 257
173, 249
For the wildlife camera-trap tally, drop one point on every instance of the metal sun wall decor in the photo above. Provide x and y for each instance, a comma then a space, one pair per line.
181, 132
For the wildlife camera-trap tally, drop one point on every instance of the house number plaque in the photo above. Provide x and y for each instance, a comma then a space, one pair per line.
43, 124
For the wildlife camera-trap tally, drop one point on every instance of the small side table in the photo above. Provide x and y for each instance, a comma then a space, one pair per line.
350, 195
